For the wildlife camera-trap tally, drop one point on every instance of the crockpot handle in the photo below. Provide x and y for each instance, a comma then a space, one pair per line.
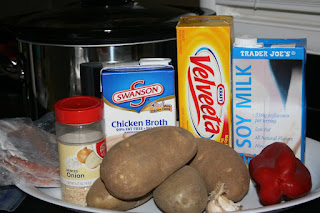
98, 3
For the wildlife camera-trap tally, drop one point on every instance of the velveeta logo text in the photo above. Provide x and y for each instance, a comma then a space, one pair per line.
136, 92
206, 93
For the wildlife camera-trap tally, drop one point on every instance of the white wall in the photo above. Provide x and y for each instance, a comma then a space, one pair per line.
211, 4
274, 22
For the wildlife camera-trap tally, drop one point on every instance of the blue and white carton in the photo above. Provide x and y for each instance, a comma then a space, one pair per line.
138, 97
269, 103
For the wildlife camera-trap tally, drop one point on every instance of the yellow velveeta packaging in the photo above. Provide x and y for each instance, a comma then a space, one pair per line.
204, 76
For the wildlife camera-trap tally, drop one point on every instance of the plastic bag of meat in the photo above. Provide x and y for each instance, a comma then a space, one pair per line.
28, 155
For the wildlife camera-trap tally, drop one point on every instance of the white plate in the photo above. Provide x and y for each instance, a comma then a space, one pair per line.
250, 202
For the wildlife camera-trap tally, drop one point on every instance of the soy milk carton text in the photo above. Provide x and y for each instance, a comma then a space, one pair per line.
204, 69
137, 98
269, 102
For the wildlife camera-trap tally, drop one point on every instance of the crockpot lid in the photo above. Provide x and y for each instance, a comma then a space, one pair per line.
96, 22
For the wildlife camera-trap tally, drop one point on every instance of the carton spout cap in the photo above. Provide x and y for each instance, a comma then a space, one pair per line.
247, 41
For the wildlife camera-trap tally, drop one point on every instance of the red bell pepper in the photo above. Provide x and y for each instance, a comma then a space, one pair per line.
278, 174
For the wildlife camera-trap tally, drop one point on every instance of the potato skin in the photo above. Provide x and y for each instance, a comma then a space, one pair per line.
184, 191
218, 162
99, 197
139, 163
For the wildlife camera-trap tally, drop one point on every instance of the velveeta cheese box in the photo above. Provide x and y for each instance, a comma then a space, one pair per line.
204, 81
138, 97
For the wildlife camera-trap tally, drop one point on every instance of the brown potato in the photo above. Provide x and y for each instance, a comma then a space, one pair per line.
138, 164
99, 197
184, 191
218, 162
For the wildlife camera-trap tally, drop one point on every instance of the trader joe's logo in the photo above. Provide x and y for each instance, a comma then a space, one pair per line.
137, 93
206, 94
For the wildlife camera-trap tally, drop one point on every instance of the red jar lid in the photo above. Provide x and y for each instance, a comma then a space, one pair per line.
79, 110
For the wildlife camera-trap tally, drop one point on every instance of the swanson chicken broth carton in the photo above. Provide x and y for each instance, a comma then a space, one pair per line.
138, 97
269, 103
204, 69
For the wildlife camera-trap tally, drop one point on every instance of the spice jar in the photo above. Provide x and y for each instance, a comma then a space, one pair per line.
81, 145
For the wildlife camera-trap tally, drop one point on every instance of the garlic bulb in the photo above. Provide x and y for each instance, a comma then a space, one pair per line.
220, 203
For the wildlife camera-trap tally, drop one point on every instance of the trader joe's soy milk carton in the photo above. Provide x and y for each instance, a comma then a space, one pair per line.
138, 97
204, 72
268, 95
